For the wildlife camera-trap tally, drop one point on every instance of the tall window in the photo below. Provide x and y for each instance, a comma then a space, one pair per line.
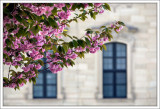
46, 84
114, 71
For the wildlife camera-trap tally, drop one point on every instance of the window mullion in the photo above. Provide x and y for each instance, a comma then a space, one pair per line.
44, 78
114, 63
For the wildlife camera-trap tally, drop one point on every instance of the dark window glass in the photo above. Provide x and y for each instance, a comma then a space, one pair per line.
108, 64
121, 91
109, 90
46, 84
51, 91
38, 91
108, 78
114, 71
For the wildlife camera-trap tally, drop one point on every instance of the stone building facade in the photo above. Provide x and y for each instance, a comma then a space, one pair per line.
83, 85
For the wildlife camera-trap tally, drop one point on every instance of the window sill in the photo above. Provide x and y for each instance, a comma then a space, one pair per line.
115, 100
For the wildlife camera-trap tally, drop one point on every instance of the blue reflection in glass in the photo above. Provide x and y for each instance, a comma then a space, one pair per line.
51, 78
108, 91
121, 63
108, 64
121, 90
51, 91
38, 91
108, 78
109, 51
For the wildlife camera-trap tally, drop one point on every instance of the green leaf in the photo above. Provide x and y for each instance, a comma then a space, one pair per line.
70, 62
75, 20
5, 79
32, 40
71, 45
81, 43
68, 5
92, 15
65, 48
102, 26
75, 37
41, 62
65, 9
8, 42
106, 6
18, 18
88, 42
16, 66
68, 25
13, 73
74, 6
36, 71
53, 56
34, 80
7, 4
47, 47
121, 23
54, 48
30, 80
24, 81
53, 23
61, 49
90, 4
87, 50
54, 11
110, 35
6, 11
107, 30
19, 81
35, 29
20, 32
104, 47
75, 43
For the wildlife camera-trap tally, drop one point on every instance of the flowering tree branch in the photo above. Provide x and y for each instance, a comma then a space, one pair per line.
32, 30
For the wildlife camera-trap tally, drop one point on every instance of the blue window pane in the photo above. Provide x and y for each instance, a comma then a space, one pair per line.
121, 50
120, 78
109, 51
108, 78
51, 78
108, 64
39, 80
121, 63
108, 91
38, 91
51, 91
121, 91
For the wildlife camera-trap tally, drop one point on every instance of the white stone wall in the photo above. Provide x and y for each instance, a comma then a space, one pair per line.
82, 84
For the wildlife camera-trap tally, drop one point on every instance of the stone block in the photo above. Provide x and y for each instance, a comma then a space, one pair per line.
151, 6
153, 24
87, 95
151, 18
138, 19
149, 12
152, 31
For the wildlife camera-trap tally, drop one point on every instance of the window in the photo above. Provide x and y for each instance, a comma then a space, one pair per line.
46, 84
114, 71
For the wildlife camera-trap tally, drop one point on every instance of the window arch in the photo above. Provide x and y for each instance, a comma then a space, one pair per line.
46, 83
114, 71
